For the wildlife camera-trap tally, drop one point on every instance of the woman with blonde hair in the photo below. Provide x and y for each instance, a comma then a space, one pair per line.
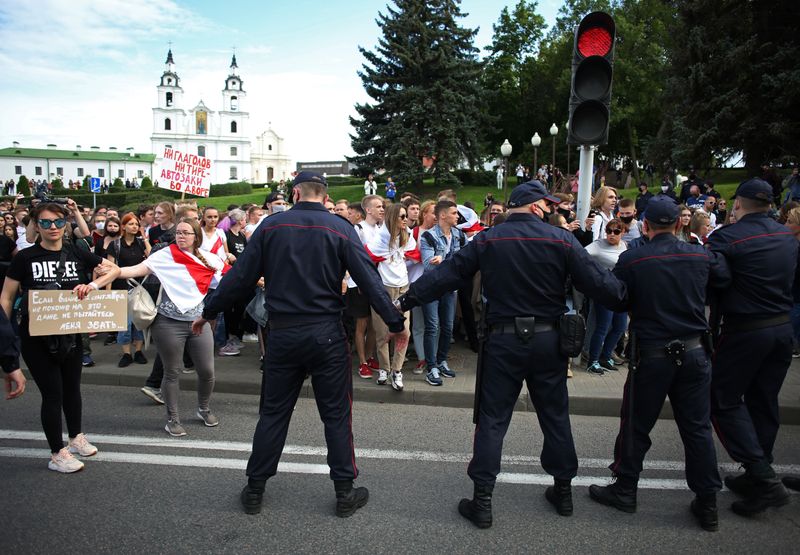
163, 222
602, 207
389, 248
186, 272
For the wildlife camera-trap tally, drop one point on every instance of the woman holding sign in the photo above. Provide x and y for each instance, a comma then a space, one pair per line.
55, 361
186, 273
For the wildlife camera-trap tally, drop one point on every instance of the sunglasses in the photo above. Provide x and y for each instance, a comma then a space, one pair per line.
614, 231
403, 216
58, 222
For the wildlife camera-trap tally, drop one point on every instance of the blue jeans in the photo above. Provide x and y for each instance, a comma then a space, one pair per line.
609, 326
124, 337
439, 317
794, 315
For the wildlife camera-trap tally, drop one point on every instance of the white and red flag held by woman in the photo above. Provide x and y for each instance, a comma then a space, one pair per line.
185, 278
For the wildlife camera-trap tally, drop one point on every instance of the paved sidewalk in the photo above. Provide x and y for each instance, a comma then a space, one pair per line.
589, 395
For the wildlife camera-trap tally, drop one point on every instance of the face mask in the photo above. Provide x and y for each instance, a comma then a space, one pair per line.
100, 226
564, 212
664, 188
278, 208
626, 219
112, 233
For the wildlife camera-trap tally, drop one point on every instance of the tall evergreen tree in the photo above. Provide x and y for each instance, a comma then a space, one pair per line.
424, 81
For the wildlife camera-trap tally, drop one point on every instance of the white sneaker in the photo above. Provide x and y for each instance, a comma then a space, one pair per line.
79, 445
397, 381
64, 462
382, 377
229, 350
250, 338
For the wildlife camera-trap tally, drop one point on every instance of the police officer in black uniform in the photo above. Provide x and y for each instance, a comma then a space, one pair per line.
669, 323
755, 348
524, 264
303, 254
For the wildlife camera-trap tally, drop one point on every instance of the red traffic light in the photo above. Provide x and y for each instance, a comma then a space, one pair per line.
594, 42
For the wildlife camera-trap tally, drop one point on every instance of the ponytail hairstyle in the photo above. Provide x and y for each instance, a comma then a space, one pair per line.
198, 240
398, 232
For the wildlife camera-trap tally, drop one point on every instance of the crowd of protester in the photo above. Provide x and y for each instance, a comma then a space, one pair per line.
183, 252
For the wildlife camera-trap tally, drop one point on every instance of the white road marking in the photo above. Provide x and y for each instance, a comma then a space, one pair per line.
547, 480
365, 453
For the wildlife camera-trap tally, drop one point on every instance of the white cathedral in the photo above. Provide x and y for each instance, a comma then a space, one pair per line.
221, 136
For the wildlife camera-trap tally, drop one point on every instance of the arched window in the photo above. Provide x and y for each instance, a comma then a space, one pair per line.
201, 150
234, 103
167, 124
169, 98
234, 127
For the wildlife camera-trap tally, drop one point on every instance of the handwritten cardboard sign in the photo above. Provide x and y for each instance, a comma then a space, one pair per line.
184, 172
60, 312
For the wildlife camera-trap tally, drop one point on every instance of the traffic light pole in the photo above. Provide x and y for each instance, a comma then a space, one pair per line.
585, 182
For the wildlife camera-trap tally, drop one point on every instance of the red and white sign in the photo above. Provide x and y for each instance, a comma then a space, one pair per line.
184, 172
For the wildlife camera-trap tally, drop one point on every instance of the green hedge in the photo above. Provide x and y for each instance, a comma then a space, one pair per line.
228, 189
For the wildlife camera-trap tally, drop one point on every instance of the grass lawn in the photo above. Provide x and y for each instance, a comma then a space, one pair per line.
353, 193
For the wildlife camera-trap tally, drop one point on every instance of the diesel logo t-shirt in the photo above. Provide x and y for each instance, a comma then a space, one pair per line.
35, 267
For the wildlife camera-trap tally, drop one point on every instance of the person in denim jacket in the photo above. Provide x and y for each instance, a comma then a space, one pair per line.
437, 245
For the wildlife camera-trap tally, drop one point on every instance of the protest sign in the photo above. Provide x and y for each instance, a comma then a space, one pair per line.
184, 172
60, 312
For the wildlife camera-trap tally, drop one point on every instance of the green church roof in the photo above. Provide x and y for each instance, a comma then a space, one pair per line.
90, 155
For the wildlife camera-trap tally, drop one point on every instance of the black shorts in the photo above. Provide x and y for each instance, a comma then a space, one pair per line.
356, 303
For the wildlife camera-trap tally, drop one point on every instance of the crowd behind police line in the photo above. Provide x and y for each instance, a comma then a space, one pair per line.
405, 239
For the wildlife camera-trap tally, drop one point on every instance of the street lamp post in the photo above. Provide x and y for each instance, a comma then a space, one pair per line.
536, 140
554, 132
505, 150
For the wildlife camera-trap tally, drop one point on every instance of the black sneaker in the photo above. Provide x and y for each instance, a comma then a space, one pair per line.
139, 358
126, 360
110, 339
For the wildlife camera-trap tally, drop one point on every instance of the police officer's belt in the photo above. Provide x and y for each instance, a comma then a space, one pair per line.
733, 325
661, 351
509, 327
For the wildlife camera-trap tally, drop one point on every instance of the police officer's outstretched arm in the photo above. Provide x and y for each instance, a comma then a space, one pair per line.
443, 279
720, 276
238, 282
593, 280
363, 272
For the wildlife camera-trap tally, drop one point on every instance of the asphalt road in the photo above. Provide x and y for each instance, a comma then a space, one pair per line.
147, 492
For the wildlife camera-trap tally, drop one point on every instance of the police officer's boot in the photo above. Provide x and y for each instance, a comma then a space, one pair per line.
704, 509
560, 496
621, 494
792, 482
741, 484
251, 496
479, 508
348, 498
768, 491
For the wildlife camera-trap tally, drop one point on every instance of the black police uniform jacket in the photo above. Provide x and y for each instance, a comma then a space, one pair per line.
303, 255
666, 305
524, 264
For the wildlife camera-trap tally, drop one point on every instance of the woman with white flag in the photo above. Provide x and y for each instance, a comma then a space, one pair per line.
390, 247
186, 273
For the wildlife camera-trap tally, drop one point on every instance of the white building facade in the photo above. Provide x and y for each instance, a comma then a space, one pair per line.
221, 136
269, 159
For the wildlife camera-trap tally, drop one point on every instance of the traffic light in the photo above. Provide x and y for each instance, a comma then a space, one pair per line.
592, 67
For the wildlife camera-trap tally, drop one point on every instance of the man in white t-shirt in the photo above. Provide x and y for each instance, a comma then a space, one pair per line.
708, 208
357, 304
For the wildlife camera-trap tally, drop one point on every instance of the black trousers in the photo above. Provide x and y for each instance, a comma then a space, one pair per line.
508, 363
59, 382
748, 372
321, 351
688, 387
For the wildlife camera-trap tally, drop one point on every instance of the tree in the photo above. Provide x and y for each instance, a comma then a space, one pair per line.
23, 186
117, 185
733, 83
147, 183
515, 41
427, 99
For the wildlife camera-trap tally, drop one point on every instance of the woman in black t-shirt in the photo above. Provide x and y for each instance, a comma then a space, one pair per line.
58, 378
130, 249
163, 221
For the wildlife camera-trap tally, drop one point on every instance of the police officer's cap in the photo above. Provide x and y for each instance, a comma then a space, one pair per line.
662, 209
755, 188
528, 193
309, 177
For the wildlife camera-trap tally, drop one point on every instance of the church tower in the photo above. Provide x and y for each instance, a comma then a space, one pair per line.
168, 117
233, 119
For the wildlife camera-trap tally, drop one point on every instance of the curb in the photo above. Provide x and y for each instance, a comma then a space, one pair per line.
413, 395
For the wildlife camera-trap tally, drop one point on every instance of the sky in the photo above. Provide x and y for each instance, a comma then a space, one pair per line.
84, 72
